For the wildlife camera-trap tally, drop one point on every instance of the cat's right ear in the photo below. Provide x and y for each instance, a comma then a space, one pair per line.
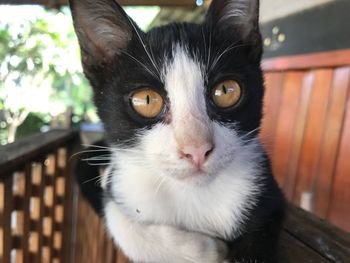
103, 29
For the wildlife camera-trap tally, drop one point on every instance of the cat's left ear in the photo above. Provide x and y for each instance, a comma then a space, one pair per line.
236, 17
102, 27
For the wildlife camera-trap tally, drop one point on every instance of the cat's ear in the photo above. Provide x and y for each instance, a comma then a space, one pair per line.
102, 27
236, 17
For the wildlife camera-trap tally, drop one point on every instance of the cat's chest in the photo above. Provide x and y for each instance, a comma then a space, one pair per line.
218, 208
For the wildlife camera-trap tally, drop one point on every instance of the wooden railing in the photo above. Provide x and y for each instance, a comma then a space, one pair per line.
306, 130
43, 218
36, 199
93, 244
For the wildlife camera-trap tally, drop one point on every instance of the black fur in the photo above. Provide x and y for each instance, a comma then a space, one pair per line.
114, 77
261, 231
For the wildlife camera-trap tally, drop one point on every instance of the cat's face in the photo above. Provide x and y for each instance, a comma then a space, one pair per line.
182, 101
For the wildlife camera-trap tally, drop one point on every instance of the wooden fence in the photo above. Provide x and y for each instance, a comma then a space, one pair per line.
306, 130
43, 218
36, 202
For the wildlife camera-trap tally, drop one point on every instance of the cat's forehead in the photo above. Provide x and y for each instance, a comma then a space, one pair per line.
164, 39
199, 41
175, 32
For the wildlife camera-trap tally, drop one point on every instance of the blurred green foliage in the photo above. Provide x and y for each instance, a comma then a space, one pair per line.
32, 124
40, 73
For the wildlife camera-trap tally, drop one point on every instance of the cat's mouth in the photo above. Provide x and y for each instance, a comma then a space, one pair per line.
193, 174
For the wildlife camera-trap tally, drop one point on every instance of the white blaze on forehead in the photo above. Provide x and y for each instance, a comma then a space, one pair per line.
184, 83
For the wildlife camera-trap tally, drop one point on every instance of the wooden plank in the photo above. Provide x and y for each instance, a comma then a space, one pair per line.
286, 124
110, 250
14, 154
26, 212
324, 238
34, 248
308, 61
6, 219
331, 141
60, 209
41, 214
18, 206
314, 131
339, 210
53, 210
298, 135
58, 3
121, 258
70, 214
272, 101
291, 250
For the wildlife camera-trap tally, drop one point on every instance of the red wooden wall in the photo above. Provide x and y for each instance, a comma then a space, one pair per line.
306, 130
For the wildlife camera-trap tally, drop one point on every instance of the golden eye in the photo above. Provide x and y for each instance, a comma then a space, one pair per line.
147, 103
226, 94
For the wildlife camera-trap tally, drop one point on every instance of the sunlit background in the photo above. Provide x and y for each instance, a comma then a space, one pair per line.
41, 81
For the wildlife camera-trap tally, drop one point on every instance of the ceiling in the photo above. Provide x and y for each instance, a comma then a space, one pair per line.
58, 3
270, 9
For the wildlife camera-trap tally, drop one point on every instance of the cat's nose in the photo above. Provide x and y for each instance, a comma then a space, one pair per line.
197, 155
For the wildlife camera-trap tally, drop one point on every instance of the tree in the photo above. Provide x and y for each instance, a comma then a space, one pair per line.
40, 70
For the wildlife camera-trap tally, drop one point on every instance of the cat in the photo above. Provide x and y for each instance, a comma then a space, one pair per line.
187, 178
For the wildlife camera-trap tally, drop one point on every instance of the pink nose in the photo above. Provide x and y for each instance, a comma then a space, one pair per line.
197, 155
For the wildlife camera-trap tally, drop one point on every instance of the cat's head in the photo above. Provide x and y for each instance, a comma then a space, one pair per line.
182, 100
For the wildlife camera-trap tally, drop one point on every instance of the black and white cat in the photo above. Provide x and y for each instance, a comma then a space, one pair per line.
188, 180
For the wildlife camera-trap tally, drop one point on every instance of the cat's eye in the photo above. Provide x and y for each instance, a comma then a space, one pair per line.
226, 94
147, 103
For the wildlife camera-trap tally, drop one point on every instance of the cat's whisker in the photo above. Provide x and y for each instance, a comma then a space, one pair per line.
97, 159
156, 65
162, 180
144, 46
99, 177
87, 151
95, 146
209, 49
217, 59
250, 132
142, 64
205, 47
250, 142
99, 164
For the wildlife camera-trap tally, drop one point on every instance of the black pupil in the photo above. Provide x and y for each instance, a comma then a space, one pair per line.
148, 100
224, 89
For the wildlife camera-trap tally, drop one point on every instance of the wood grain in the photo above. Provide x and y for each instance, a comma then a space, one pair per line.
331, 140
314, 132
286, 124
292, 251
328, 59
6, 223
322, 237
339, 209
272, 102
307, 143
298, 134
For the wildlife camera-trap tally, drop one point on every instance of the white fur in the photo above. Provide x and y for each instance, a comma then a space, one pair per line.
161, 243
162, 203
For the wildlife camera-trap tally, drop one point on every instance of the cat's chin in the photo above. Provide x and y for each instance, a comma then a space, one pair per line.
197, 177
